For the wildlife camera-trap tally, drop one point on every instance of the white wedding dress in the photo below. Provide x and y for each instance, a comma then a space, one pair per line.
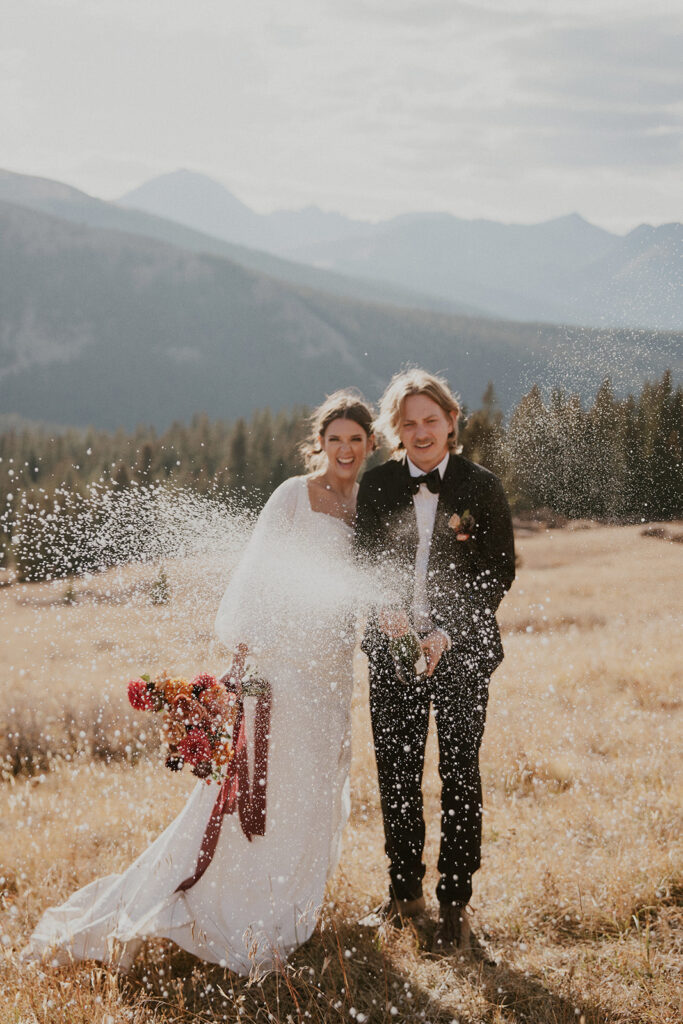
292, 600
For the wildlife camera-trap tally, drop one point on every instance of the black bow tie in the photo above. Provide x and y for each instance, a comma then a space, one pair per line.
432, 479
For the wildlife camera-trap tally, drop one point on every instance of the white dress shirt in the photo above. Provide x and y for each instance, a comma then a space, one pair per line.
425, 512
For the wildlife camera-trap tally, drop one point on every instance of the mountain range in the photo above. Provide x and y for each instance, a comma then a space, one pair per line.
71, 204
113, 317
563, 271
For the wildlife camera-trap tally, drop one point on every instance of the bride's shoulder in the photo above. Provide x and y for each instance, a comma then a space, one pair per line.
292, 485
287, 494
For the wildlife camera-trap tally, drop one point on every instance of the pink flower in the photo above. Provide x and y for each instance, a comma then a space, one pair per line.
202, 682
463, 525
140, 697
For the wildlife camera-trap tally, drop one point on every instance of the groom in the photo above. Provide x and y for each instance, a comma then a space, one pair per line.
441, 526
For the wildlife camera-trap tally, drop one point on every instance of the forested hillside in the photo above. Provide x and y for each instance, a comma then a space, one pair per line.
613, 459
106, 329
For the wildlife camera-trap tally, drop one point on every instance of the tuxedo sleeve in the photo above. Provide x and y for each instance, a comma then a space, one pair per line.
496, 543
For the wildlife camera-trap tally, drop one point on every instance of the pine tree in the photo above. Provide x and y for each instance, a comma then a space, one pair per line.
238, 455
121, 477
606, 465
482, 437
526, 453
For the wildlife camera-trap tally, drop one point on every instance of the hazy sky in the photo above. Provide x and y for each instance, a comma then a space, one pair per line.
518, 110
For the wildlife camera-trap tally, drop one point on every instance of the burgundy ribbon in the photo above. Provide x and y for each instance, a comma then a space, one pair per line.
236, 792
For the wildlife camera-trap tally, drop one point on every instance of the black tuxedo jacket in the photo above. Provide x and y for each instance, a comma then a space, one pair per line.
466, 579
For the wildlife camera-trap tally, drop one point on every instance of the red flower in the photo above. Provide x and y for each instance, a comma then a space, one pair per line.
195, 748
202, 682
140, 696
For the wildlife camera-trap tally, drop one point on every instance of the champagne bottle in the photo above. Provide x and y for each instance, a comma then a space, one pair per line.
409, 659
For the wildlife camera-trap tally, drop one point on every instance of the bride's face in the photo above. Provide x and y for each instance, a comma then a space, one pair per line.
347, 446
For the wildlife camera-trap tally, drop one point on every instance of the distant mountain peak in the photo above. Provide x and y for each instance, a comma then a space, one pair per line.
185, 176
197, 201
566, 219
186, 172
16, 186
641, 230
184, 183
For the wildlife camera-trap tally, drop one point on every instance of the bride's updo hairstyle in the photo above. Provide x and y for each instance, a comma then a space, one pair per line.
415, 382
347, 404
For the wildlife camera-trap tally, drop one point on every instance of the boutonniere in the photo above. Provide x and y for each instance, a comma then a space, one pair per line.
463, 525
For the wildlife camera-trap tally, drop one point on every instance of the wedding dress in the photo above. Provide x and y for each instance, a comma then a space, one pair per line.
291, 600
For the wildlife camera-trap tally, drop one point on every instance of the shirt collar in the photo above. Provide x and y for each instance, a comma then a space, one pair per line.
414, 471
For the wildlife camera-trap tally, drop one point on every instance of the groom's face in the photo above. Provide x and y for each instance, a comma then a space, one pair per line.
424, 431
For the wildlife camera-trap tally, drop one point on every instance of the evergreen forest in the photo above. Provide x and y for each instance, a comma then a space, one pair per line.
615, 459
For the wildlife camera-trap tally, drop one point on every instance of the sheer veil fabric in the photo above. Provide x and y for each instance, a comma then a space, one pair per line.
292, 600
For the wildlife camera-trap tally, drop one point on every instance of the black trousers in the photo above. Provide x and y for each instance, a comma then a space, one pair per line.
400, 720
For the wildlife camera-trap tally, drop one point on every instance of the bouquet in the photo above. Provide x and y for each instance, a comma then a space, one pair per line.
198, 720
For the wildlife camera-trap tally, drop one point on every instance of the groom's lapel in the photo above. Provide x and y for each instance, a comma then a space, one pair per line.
402, 513
452, 498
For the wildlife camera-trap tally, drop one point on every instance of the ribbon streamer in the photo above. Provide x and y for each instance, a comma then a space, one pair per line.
236, 792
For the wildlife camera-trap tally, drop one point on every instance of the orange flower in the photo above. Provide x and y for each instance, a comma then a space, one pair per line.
217, 700
223, 753
190, 712
174, 688
172, 732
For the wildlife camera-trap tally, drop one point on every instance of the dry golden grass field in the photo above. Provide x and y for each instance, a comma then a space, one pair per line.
577, 907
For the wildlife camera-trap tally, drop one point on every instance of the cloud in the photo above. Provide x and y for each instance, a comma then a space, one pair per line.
634, 62
373, 107
605, 95
415, 14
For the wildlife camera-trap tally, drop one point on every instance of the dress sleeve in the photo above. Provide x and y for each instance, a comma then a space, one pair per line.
252, 600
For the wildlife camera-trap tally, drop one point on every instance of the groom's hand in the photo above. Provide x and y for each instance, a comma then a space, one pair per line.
394, 622
434, 646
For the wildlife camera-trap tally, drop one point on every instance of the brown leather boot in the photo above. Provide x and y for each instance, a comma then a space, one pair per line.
453, 929
394, 912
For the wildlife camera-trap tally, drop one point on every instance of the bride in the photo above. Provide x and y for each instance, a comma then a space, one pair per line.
291, 603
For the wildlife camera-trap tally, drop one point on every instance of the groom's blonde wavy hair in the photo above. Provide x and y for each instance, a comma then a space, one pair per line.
415, 382
347, 404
